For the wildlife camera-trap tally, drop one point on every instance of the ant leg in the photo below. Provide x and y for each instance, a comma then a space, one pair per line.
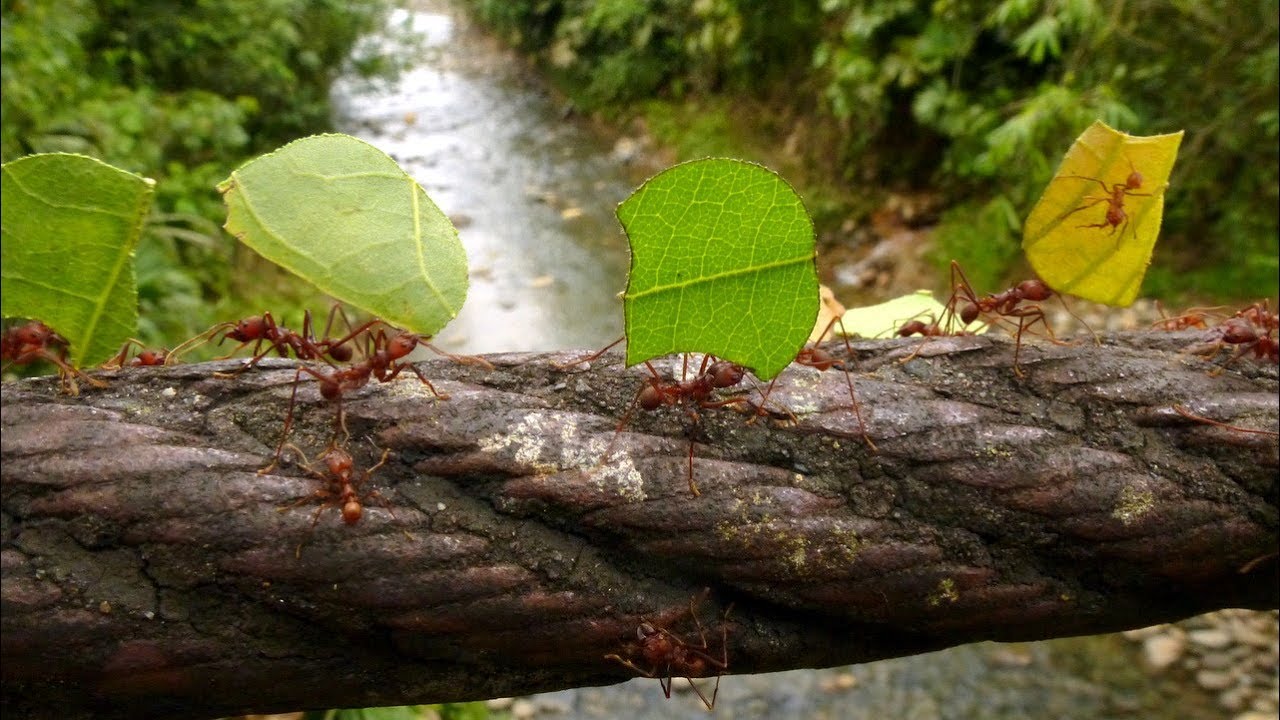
1101, 184
414, 369
1184, 412
461, 359
848, 378
588, 358
288, 417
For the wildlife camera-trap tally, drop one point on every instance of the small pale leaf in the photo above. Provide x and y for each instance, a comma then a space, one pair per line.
1070, 240
341, 214
722, 262
884, 320
70, 224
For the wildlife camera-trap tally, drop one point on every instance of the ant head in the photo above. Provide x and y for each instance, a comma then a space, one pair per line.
250, 328
351, 512
150, 357
650, 398
726, 374
33, 333
1034, 290
401, 344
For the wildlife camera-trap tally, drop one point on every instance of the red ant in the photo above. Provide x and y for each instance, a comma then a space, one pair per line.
1115, 217
667, 656
263, 329
342, 487
1195, 317
1248, 337
146, 357
688, 394
383, 361
35, 341
822, 360
1005, 305
930, 329
712, 375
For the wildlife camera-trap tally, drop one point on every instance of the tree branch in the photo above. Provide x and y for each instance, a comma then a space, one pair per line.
147, 568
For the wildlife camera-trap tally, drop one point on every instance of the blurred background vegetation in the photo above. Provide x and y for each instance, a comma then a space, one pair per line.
974, 100
183, 93
971, 102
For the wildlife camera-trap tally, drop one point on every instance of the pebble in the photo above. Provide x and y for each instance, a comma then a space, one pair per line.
1161, 651
1214, 679
1212, 638
523, 709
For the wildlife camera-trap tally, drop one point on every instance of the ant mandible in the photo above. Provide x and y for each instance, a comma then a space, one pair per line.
342, 489
668, 656
1115, 217
34, 341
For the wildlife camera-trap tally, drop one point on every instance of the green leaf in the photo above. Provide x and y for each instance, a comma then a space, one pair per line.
69, 225
341, 214
1068, 238
883, 320
722, 262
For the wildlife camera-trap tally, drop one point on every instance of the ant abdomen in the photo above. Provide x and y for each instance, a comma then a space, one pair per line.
726, 374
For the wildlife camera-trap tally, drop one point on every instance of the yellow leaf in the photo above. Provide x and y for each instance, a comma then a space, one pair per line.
1092, 232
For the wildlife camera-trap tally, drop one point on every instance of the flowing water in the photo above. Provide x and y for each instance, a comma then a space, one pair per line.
533, 195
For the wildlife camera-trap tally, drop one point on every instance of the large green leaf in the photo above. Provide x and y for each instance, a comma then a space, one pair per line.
1069, 239
341, 214
722, 262
69, 226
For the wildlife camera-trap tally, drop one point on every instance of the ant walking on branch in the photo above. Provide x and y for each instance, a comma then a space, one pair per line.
1017, 304
343, 487
1115, 217
384, 360
664, 655
263, 330
34, 341
822, 360
145, 356
688, 394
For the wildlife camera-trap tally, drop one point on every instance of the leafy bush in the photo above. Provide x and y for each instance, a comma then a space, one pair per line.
978, 99
183, 93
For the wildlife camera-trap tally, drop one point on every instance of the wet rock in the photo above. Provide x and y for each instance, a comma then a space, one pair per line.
1215, 638
1214, 679
1161, 651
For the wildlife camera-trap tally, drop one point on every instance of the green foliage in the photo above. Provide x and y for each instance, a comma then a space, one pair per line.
341, 214
722, 262
979, 99
180, 92
69, 225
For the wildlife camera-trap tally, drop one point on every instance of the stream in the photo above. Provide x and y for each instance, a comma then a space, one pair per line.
533, 193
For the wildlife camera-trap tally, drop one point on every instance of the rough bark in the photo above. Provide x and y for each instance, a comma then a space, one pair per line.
148, 571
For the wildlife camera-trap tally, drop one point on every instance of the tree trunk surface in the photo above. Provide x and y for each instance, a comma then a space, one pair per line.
515, 538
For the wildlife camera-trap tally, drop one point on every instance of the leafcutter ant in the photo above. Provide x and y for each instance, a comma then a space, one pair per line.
1116, 218
34, 341
822, 360
384, 360
262, 330
145, 356
343, 487
1005, 306
657, 652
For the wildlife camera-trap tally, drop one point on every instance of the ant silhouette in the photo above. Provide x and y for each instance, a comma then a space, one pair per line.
34, 341
1115, 217
384, 361
342, 489
666, 656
